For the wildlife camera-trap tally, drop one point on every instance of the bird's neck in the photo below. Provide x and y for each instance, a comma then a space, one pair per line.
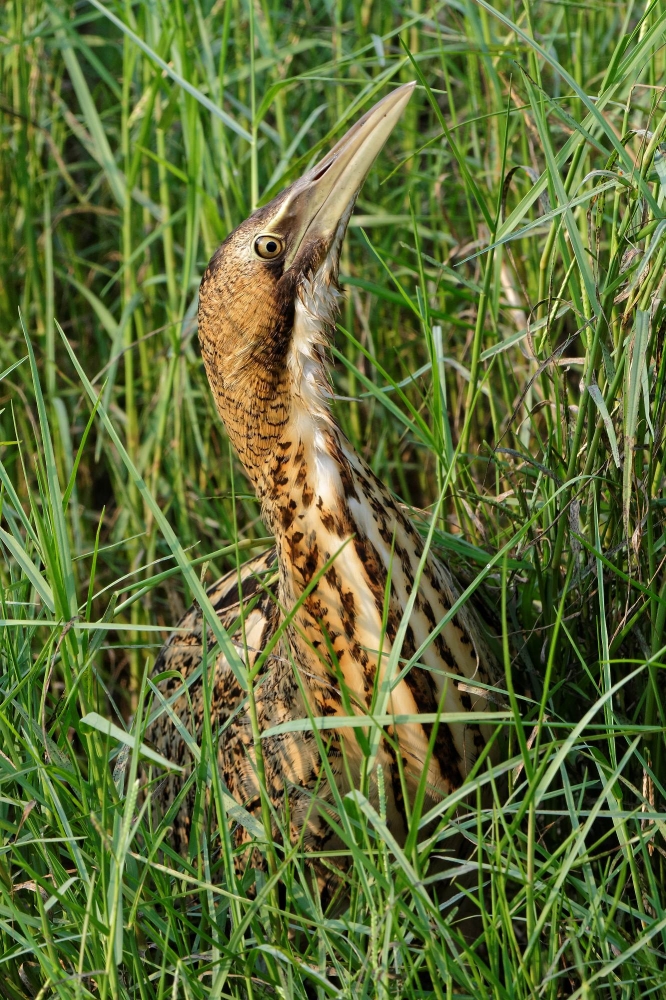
310, 477
273, 393
348, 562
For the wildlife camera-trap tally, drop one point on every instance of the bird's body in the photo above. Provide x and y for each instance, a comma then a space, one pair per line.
329, 600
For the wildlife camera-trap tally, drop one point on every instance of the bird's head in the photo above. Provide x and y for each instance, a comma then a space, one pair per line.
267, 301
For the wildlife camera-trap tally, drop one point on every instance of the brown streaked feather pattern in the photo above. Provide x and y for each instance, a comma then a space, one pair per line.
182, 654
346, 556
343, 614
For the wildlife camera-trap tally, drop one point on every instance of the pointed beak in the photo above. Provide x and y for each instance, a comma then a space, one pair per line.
319, 203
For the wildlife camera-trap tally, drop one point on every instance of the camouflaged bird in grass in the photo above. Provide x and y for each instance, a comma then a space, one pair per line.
267, 308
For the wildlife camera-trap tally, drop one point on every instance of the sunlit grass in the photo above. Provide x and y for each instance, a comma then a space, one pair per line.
500, 346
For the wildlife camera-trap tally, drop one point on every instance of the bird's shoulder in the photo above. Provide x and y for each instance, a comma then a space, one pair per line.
245, 589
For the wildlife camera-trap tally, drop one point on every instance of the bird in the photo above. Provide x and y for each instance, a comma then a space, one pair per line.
325, 605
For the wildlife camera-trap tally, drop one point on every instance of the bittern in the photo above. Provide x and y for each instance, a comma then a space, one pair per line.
346, 556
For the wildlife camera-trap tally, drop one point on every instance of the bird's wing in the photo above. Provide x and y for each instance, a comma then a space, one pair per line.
249, 583
243, 601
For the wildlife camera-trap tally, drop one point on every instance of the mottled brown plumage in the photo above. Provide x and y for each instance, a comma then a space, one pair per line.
346, 556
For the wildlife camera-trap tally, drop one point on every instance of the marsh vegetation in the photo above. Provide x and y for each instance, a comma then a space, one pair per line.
500, 364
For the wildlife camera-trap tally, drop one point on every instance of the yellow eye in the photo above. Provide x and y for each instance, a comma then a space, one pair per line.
268, 247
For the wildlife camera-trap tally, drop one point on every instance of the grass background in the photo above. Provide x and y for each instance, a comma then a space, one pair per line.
501, 342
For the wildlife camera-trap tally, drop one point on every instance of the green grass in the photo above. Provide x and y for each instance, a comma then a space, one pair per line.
502, 337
